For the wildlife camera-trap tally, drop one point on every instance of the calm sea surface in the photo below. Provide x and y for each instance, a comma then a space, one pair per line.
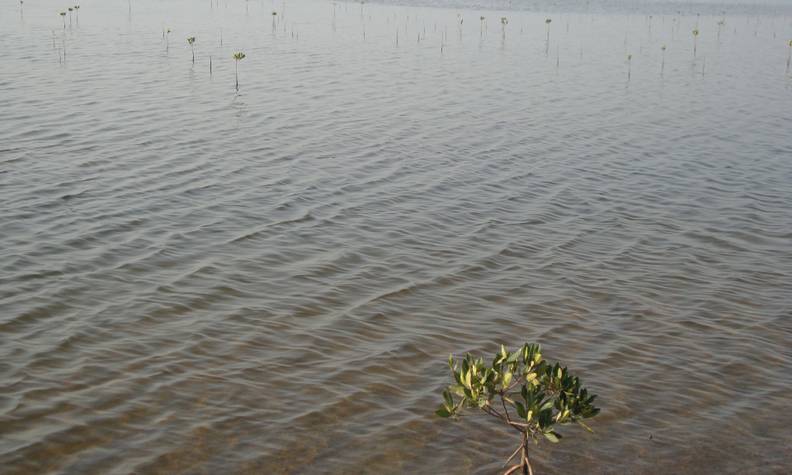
199, 280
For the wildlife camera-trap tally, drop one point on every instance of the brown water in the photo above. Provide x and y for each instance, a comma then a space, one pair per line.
198, 281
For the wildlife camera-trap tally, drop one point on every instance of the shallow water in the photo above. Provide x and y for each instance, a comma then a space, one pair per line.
194, 280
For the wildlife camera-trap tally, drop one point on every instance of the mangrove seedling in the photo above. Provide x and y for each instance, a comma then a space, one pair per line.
483, 24
191, 42
504, 22
63, 17
629, 66
547, 22
789, 55
238, 56
167, 39
522, 390
547, 41
720, 25
77, 14
695, 40
274, 16
662, 61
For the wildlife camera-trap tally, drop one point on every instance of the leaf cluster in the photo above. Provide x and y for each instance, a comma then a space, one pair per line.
521, 389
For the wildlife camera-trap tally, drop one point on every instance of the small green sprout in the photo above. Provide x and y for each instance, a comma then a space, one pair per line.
695, 38
629, 66
191, 42
789, 55
523, 391
63, 17
238, 56
547, 22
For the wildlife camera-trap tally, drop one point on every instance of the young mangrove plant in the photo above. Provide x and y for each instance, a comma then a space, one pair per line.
547, 23
662, 61
63, 17
483, 21
238, 56
629, 66
789, 55
695, 40
191, 42
274, 17
504, 22
77, 14
547, 41
522, 390
70, 16
720, 25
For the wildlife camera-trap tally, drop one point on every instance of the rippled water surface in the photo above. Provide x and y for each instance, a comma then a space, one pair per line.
195, 280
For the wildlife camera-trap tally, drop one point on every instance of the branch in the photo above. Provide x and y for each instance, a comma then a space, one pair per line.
512, 469
512, 456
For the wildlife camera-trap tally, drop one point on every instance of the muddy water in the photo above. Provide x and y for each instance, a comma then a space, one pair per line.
199, 280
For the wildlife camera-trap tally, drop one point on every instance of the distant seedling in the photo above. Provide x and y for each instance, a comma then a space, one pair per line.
547, 27
629, 66
238, 56
789, 55
695, 40
191, 42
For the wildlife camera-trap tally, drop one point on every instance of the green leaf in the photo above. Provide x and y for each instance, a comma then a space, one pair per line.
520, 409
448, 399
443, 412
507, 378
553, 437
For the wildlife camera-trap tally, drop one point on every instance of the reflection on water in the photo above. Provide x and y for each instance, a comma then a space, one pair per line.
194, 281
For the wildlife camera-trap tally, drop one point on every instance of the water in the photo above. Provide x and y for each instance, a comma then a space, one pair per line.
195, 280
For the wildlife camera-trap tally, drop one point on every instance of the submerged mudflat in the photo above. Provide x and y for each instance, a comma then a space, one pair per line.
200, 280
